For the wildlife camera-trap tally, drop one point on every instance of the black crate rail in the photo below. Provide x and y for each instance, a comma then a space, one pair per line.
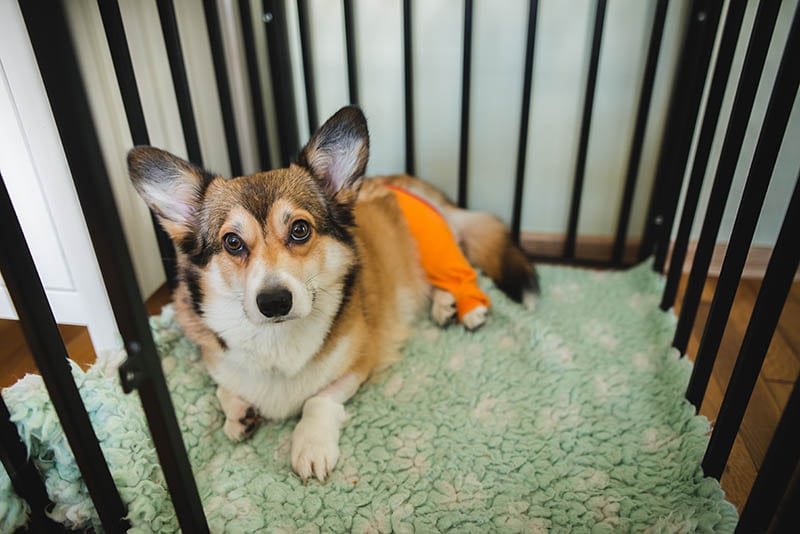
687, 93
24, 477
60, 72
50, 355
126, 79
773, 501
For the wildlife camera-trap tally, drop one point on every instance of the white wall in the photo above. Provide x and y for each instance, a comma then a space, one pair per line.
786, 168
561, 58
148, 55
37, 177
560, 63
559, 76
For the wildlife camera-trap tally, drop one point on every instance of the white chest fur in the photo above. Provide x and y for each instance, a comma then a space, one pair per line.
276, 394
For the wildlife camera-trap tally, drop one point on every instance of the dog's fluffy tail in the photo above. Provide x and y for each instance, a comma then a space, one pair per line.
487, 244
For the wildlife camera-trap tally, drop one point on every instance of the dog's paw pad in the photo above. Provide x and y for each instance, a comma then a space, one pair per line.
443, 308
475, 318
243, 427
313, 454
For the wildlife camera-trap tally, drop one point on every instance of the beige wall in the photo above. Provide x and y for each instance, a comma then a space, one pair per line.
561, 59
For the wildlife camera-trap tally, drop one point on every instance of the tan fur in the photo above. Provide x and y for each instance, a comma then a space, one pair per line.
389, 271
289, 324
392, 281
483, 237
391, 286
192, 325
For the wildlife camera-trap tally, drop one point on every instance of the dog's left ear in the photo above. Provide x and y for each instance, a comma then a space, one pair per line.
337, 154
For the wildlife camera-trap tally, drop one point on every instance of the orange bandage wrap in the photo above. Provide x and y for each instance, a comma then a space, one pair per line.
441, 258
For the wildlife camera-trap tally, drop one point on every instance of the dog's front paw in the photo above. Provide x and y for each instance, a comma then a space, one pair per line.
315, 440
243, 427
313, 454
475, 318
241, 418
443, 307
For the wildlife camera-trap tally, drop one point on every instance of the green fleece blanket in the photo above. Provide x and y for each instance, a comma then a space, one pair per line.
569, 418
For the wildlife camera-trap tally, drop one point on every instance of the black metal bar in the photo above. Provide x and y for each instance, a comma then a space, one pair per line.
24, 477
123, 69
172, 41
522, 147
254, 79
687, 93
766, 312
719, 82
651, 65
675, 166
782, 458
308, 65
787, 517
466, 82
408, 64
723, 177
126, 79
586, 122
766, 153
223, 85
350, 41
282, 86
47, 348
142, 369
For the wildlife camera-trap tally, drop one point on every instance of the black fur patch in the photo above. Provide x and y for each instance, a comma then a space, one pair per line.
203, 253
187, 244
192, 280
347, 289
517, 277
341, 219
221, 341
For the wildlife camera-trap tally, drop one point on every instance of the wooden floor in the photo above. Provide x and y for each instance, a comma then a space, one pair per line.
772, 390
778, 375
16, 361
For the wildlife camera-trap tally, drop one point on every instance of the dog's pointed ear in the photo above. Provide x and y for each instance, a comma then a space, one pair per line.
337, 154
172, 187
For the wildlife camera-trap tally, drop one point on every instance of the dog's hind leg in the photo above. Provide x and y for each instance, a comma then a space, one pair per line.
488, 246
241, 418
475, 318
443, 307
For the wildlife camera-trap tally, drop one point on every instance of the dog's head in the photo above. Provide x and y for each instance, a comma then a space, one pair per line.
267, 248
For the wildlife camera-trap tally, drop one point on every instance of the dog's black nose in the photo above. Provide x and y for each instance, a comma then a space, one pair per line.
274, 302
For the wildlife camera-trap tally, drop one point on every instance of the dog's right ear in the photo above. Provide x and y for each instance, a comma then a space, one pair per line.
172, 187
337, 154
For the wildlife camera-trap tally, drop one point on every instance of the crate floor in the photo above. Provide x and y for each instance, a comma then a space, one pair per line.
567, 418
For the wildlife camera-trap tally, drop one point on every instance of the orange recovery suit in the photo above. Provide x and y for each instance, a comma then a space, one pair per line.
441, 257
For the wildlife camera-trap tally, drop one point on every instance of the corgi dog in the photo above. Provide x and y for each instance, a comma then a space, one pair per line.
298, 283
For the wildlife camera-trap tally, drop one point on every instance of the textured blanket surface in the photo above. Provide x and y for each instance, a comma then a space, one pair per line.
570, 418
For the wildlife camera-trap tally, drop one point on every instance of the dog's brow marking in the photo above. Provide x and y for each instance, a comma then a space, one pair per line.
286, 216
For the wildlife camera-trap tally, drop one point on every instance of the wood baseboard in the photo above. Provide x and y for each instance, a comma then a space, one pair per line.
598, 247
590, 247
754, 267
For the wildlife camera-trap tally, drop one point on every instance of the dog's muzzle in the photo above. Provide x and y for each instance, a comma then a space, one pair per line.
275, 302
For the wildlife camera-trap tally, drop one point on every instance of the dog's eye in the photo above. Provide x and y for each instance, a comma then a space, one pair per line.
233, 243
301, 231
